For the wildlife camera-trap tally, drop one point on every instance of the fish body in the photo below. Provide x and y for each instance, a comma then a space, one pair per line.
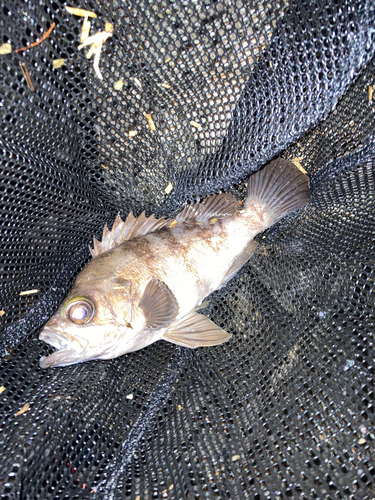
148, 277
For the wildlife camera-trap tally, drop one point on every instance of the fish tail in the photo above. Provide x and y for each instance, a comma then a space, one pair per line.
280, 186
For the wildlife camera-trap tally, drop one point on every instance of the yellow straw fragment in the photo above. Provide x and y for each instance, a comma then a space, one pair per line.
132, 133
1, 313
296, 162
80, 12
150, 121
86, 25
24, 409
2, 389
195, 124
29, 292
370, 92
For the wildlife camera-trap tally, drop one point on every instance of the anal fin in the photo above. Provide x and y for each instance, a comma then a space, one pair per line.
239, 261
196, 330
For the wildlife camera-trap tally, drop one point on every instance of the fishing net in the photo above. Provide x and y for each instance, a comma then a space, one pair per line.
285, 409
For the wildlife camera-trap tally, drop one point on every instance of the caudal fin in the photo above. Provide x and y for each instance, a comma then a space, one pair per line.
281, 186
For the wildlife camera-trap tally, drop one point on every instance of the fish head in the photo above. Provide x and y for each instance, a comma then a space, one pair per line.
98, 320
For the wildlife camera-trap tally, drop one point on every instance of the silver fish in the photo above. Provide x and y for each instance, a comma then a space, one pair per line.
148, 277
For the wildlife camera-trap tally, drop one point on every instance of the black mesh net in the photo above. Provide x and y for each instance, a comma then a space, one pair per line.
285, 409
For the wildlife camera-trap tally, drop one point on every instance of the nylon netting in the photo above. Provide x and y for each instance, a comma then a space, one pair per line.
285, 409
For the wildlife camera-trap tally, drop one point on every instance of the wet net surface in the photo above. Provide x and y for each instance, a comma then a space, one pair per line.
285, 409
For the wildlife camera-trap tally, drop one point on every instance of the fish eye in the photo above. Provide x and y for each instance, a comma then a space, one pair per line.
80, 310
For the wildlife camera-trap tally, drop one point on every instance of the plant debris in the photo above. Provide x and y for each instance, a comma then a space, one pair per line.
118, 85
150, 121
165, 85
24, 409
195, 124
168, 189
86, 25
96, 41
6, 48
1, 313
57, 63
27, 77
45, 35
370, 92
2, 389
80, 12
297, 163
29, 292
132, 133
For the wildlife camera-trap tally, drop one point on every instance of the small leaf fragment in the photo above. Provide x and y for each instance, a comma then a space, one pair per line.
57, 63
6, 48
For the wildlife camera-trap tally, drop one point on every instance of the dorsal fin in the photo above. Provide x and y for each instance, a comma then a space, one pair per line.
126, 230
218, 205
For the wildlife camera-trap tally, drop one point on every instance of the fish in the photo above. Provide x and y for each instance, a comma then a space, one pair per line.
149, 277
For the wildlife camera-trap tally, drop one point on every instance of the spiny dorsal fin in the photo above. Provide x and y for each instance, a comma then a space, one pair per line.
126, 230
218, 205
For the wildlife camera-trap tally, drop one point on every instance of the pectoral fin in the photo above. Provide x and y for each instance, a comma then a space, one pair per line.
196, 330
158, 304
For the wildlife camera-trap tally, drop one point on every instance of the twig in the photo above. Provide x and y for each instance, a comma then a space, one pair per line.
28, 81
45, 35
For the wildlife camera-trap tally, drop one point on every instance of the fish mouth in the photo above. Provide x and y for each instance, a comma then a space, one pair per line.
68, 352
